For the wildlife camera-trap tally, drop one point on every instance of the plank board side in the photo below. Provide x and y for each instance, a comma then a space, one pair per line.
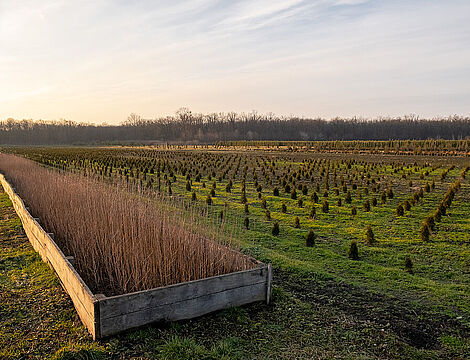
78, 291
127, 303
185, 309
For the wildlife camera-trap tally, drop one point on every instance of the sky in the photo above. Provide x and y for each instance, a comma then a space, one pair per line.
98, 61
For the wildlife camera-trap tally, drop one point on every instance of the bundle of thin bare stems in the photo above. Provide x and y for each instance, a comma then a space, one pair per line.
121, 241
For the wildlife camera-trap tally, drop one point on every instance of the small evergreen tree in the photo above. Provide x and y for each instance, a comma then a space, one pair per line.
366, 205
353, 211
406, 205
383, 197
430, 222
193, 196
188, 185
209, 200
311, 237
408, 265
297, 222
400, 211
325, 206
313, 213
370, 238
276, 191
293, 194
348, 198
353, 253
275, 230
425, 232
314, 197
283, 208
268, 214
442, 209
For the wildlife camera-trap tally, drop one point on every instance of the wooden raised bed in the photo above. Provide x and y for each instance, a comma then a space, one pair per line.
104, 316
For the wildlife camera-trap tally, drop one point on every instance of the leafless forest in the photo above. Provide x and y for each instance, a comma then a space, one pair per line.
186, 126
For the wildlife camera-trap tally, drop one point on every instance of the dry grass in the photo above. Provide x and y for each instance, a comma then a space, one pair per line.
121, 242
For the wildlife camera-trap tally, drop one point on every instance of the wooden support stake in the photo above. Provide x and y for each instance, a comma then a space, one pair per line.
269, 283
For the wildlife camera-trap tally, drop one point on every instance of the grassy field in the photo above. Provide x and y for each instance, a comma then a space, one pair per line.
325, 305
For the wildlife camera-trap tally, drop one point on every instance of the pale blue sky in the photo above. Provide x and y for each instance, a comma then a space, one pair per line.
101, 60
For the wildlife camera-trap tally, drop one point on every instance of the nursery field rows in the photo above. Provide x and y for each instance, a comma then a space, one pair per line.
405, 293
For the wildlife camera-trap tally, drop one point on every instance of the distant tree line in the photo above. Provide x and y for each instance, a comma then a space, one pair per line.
186, 126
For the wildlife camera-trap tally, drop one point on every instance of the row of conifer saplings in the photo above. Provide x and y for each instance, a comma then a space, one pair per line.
353, 252
429, 224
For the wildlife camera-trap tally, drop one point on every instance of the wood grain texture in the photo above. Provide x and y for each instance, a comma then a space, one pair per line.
104, 316
82, 297
133, 302
185, 309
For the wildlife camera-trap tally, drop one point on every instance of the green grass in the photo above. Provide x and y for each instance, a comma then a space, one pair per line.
324, 304
438, 266
36, 316
311, 317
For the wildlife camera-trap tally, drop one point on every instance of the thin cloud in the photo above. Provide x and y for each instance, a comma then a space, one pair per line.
98, 60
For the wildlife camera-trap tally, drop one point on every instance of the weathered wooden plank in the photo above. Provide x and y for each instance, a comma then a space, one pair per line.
37, 245
82, 297
123, 304
107, 316
269, 281
76, 284
71, 280
186, 309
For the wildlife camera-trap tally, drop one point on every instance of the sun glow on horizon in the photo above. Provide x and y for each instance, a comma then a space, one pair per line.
99, 61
